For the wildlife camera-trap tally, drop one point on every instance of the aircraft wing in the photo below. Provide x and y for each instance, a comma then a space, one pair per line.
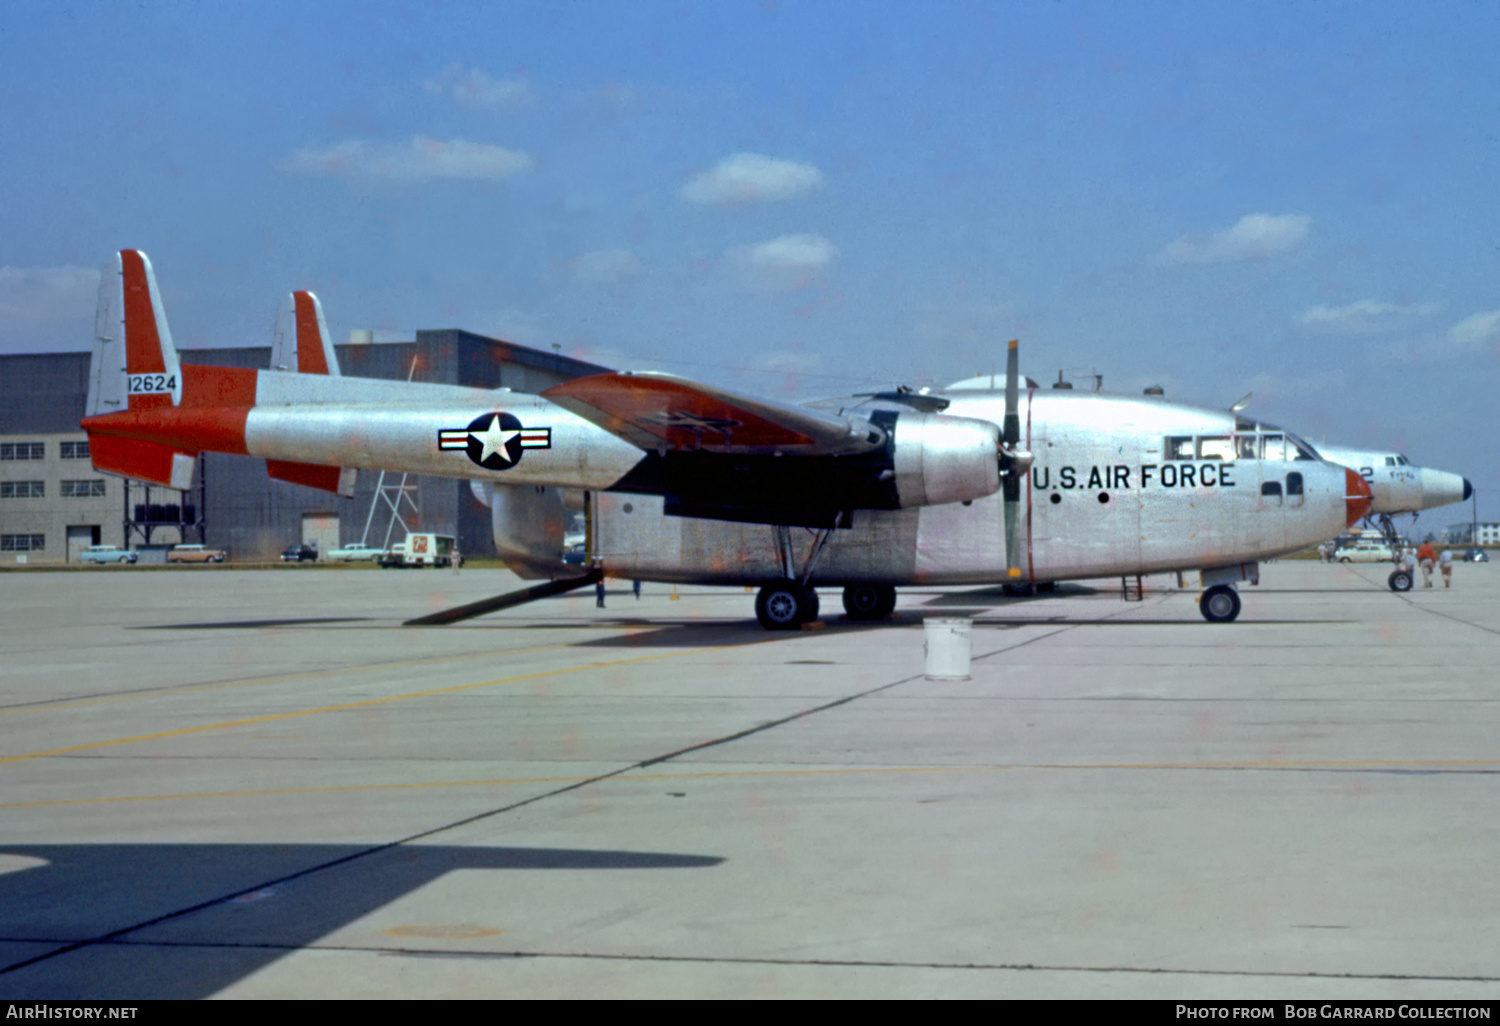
666, 413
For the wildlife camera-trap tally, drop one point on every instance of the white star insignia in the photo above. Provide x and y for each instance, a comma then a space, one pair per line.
494, 440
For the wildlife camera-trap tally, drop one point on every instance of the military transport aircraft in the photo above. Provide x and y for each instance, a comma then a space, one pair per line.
684, 482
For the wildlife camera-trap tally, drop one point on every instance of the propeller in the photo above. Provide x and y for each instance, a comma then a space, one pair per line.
1014, 463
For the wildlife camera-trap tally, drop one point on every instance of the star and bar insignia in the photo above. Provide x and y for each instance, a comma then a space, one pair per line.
494, 440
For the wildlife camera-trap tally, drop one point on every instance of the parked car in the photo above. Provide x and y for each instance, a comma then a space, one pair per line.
354, 553
107, 554
576, 554
1364, 552
194, 554
300, 554
1474, 554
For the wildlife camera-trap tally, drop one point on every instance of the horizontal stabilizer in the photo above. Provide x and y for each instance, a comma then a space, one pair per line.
339, 480
145, 461
665, 412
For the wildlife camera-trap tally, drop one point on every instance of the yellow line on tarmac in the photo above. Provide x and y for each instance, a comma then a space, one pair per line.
725, 774
364, 704
282, 679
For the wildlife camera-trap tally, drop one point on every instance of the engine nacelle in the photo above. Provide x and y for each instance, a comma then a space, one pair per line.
940, 459
529, 522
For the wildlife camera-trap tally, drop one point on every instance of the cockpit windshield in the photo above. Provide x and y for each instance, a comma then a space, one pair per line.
1250, 441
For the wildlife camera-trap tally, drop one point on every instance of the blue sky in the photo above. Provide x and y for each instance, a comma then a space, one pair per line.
798, 199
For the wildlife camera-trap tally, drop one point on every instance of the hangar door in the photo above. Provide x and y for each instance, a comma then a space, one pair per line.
322, 530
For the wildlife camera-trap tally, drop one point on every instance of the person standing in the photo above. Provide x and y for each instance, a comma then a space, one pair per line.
1426, 556
1445, 564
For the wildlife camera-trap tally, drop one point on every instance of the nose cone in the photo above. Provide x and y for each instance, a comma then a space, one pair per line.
1357, 497
1439, 488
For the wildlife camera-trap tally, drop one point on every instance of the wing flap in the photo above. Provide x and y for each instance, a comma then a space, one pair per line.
665, 412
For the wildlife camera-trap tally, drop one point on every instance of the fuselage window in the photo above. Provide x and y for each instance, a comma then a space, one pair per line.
1178, 448
1245, 447
1271, 489
1215, 447
1293, 484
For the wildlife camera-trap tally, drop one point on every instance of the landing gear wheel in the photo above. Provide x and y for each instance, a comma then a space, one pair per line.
1018, 590
869, 601
785, 607
1220, 604
1400, 580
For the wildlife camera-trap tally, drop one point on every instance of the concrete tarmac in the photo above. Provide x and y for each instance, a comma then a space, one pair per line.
228, 783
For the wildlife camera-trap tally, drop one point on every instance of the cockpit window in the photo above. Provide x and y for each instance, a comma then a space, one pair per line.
1403, 461
1215, 447
1178, 447
1272, 447
1304, 451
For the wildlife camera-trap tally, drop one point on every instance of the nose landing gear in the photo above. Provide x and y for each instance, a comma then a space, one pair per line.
1220, 604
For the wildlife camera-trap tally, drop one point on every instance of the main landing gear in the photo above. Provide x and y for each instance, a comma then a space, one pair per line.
869, 601
1220, 604
786, 606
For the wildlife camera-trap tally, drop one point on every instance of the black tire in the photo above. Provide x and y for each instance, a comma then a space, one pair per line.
786, 606
1343, 559
1018, 590
869, 601
1220, 604
1400, 580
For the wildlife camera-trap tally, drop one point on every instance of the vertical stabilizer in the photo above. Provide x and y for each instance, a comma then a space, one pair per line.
135, 370
301, 345
301, 342
135, 363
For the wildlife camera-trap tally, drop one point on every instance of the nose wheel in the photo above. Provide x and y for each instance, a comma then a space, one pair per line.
1220, 604
786, 606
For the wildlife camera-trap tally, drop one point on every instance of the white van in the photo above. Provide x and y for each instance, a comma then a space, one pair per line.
420, 550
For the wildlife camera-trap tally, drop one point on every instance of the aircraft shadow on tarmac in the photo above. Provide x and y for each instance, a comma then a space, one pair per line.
309, 621
231, 908
996, 595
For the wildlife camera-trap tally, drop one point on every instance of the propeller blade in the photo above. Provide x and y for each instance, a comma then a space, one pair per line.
1010, 437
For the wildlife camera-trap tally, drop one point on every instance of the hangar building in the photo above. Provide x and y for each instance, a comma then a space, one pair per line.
53, 504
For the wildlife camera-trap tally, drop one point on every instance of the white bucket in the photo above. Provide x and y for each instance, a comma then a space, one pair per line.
947, 645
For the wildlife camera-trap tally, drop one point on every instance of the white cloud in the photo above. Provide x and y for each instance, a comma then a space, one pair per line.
43, 301
748, 178
471, 87
784, 264
420, 160
1475, 333
1367, 316
1253, 237
605, 266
